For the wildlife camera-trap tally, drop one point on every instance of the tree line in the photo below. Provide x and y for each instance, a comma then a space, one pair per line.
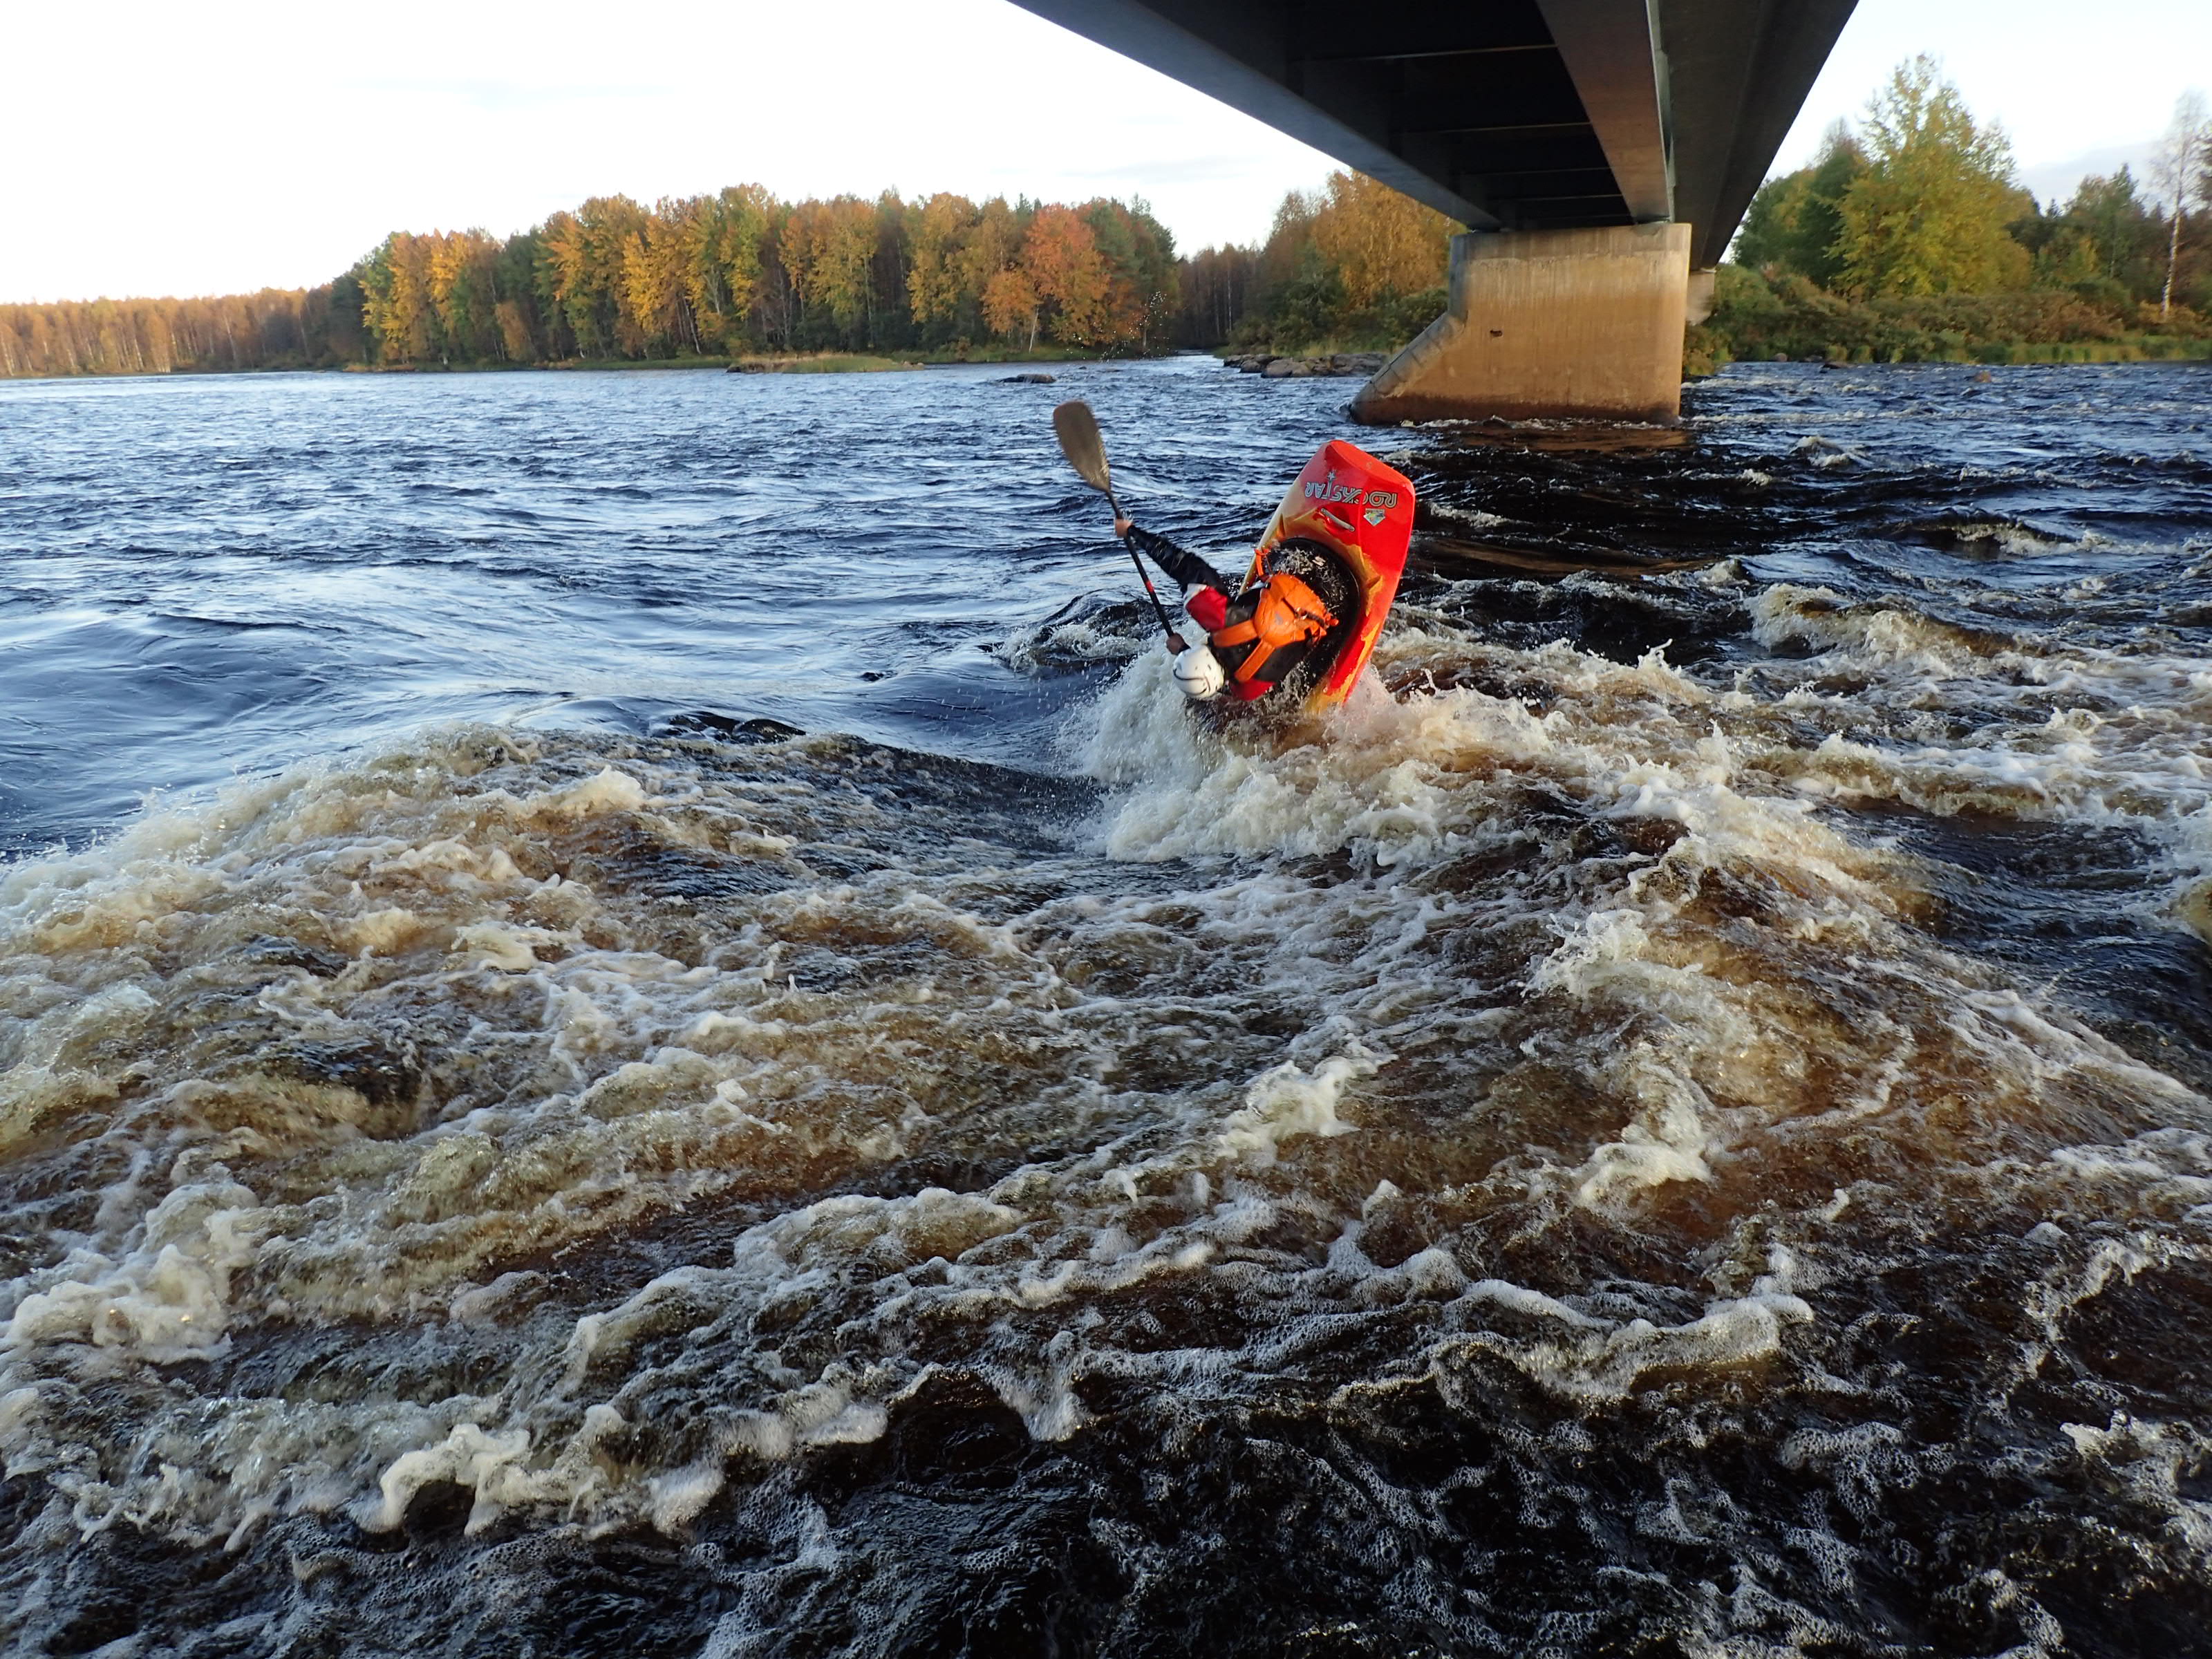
740, 272
731, 274
1909, 236
1353, 265
275, 328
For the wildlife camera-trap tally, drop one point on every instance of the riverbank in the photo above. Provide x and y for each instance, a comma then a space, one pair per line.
863, 362
1789, 318
824, 362
798, 362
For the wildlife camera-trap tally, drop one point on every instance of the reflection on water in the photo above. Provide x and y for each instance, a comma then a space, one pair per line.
735, 1078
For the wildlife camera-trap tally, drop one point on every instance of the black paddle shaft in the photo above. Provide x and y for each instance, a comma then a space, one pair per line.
1077, 428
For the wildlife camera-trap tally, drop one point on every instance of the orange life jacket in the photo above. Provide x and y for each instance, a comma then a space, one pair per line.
1289, 613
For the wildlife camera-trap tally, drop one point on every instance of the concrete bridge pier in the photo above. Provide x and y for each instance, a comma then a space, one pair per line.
1576, 325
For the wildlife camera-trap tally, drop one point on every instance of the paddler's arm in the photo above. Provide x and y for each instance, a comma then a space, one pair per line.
1185, 568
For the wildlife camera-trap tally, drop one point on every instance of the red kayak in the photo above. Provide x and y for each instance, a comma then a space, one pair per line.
1363, 509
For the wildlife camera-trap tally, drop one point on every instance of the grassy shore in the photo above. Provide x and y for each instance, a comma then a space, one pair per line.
1788, 319
2123, 349
786, 362
1758, 319
849, 362
824, 362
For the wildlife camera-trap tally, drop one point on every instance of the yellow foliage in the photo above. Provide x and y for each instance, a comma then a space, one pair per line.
828, 247
993, 243
1379, 243
514, 339
652, 291
1930, 213
400, 316
1010, 305
934, 279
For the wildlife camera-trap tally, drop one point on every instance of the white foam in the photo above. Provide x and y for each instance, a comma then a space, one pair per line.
1481, 891
606, 791
1287, 1101
167, 1298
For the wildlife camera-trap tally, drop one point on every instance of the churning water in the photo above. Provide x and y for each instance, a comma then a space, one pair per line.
697, 1059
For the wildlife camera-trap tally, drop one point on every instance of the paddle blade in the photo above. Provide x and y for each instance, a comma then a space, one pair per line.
1079, 441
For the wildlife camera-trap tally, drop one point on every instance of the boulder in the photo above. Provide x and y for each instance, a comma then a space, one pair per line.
1343, 363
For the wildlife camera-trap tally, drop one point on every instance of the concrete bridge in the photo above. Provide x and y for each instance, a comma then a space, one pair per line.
1600, 152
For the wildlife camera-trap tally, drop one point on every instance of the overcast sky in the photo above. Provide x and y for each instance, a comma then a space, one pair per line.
234, 144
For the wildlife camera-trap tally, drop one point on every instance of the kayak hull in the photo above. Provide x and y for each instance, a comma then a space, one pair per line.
1361, 509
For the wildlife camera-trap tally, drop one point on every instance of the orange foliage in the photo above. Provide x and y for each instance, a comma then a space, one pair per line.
737, 270
1059, 255
1009, 304
1381, 244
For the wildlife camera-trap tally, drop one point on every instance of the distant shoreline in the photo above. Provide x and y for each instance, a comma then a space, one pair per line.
781, 363
1700, 362
818, 363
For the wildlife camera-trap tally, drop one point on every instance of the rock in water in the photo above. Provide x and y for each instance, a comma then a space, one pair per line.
1338, 363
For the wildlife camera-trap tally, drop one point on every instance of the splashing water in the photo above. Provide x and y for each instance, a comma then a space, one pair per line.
1675, 1124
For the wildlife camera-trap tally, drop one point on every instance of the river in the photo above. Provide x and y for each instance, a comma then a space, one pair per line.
633, 1021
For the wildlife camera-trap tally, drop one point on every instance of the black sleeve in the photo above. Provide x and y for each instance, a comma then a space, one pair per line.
1188, 568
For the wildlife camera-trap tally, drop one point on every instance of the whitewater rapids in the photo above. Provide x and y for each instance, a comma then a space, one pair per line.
1661, 1150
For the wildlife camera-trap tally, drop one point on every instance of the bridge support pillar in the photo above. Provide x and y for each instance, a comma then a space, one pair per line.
1578, 324
1703, 286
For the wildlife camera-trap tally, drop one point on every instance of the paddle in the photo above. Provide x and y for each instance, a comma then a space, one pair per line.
1078, 430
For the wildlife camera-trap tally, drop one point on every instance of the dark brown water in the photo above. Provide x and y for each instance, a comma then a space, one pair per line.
731, 1076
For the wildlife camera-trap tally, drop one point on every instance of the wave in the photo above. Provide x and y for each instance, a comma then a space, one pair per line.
1675, 1122
651, 1124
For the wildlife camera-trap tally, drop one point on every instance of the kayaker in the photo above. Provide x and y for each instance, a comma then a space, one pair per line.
1285, 627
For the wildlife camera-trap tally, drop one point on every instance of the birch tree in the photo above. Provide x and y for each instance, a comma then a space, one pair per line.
2178, 173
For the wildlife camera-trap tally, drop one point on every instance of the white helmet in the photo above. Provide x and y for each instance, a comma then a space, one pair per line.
1199, 672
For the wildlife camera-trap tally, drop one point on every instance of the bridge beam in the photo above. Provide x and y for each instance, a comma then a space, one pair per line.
1620, 75
1568, 324
1254, 55
1565, 133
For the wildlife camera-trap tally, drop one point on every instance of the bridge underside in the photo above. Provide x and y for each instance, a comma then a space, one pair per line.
1511, 116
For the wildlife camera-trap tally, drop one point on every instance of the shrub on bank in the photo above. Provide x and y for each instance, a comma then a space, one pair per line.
1758, 319
1310, 319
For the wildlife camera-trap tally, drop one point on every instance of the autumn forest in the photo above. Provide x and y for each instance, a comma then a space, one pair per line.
742, 273
735, 272
1907, 238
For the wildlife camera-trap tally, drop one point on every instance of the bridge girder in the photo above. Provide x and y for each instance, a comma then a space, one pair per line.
1507, 114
